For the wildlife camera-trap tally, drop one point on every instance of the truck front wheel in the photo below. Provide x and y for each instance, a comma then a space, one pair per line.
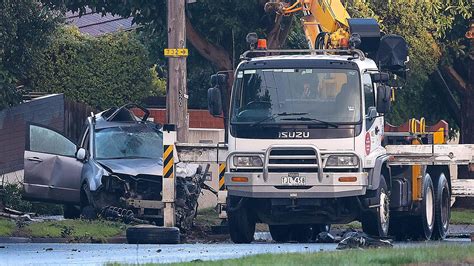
376, 222
241, 220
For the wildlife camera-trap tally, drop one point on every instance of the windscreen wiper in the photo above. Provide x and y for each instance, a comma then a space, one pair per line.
275, 116
312, 120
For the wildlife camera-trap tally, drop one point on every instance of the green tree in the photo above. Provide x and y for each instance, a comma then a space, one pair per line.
428, 27
103, 72
216, 30
25, 27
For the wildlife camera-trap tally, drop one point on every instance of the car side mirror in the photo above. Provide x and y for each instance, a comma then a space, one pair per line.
379, 77
371, 113
384, 95
81, 154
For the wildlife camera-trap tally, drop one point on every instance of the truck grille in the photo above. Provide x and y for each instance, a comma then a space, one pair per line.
292, 160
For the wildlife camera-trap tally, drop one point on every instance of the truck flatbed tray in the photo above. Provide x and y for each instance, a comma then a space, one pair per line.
431, 154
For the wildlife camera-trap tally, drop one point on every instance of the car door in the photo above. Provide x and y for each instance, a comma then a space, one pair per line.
52, 172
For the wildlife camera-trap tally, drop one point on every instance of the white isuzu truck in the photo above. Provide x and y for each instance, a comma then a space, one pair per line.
308, 145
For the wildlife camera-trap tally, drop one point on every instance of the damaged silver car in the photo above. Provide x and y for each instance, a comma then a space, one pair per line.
116, 169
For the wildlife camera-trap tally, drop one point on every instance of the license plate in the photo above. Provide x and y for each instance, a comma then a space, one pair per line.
293, 180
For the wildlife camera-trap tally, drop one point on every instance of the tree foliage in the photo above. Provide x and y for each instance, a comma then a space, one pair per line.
103, 72
428, 27
25, 27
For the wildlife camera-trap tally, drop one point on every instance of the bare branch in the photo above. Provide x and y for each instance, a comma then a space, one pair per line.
214, 53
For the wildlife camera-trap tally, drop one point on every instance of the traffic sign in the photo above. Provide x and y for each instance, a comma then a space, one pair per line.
179, 52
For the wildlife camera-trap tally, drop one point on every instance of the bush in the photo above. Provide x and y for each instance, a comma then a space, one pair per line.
106, 71
12, 198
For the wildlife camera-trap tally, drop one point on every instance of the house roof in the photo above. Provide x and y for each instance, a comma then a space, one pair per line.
96, 25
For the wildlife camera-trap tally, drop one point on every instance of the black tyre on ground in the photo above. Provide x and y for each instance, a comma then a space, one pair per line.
376, 222
423, 224
150, 234
71, 211
442, 206
241, 221
280, 233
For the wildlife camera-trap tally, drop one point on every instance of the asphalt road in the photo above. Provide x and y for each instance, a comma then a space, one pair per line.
99, 254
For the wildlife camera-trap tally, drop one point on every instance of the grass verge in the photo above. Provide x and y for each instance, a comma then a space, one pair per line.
452, 254
208, 216
462, 216
7, 227
75, 229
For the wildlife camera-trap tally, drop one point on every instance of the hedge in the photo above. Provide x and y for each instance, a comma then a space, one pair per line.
101, 71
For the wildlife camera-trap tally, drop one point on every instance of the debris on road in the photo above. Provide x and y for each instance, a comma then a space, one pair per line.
189, 182
356, 240
325, 237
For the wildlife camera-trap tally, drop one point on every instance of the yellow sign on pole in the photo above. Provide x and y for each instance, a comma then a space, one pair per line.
173, 52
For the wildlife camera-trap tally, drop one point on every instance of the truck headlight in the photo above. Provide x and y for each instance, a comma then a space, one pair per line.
248, 161
342, 160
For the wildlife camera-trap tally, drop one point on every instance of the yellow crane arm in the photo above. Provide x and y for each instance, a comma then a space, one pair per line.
319, 15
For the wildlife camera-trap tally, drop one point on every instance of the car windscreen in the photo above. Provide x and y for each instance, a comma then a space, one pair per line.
128, 142
307, 94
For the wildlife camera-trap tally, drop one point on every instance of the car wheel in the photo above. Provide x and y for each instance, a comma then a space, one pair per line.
280, 233
376, 222
151, 234
71, 211
88, 211
442, 208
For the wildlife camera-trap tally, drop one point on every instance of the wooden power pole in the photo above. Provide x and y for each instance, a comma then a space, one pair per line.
177, 95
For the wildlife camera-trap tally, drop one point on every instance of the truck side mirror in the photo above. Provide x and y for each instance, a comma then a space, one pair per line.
214, 97
380, 77
384, 94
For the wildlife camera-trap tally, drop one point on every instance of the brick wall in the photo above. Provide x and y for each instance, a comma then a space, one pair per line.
197, 118
47, 110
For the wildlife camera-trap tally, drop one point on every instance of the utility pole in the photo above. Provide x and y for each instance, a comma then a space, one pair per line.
177, 95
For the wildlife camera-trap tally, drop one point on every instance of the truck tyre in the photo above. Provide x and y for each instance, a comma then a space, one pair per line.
150, 234
376, 223
71, 211
442, 208
241, 221
280, 233
423, 224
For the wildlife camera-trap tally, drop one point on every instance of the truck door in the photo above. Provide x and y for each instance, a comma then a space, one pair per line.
374, 125
52, 172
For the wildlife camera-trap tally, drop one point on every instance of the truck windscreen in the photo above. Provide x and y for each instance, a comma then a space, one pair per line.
328, 95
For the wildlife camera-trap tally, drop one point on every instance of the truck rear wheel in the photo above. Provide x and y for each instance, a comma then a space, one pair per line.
442, 208
241, 221
423, 224
280, 233
376, 222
